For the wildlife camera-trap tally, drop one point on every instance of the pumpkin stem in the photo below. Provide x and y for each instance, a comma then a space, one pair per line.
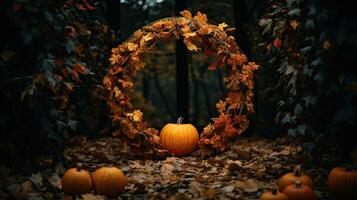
179, 120
79, 166
297, 170
298, 183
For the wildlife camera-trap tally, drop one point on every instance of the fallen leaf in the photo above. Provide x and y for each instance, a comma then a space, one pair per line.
92, 197
228, 189
247, 185
37, 179
210, 193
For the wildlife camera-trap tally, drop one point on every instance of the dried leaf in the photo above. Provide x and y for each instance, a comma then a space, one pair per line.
187, 14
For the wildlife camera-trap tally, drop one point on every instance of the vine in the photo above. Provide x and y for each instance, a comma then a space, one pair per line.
198, 35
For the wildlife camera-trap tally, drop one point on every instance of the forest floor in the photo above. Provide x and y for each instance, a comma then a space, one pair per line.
250, 167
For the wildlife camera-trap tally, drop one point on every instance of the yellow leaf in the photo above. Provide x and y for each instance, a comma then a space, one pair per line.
190, 46
187, 35
118, 94
137, 116
125, 83
221, 26
294, 24
148, 37
186, 14
132, 46
327, 45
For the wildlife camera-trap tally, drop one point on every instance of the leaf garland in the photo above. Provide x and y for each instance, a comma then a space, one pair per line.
197, 35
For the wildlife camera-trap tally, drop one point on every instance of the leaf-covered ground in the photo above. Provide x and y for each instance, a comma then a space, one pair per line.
250, 167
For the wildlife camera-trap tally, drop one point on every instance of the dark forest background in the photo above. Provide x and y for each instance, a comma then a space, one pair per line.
54, 55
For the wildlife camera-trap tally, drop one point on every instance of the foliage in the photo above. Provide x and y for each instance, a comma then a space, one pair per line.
306, 48
197, 34
61, 44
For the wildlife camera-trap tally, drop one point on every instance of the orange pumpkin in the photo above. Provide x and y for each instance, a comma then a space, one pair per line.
180, 139
109, 181
290, 178
342, 183
76, 181
298, 191
273, 195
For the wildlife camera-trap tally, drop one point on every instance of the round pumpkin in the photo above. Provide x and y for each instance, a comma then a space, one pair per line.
109, 181
290, 178
180, 139
298, 191
342, 183
273, 195
76, 181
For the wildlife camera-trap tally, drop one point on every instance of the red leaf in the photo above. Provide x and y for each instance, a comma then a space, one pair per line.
65, 72
80, 68
75, 74
277, 43
80, 6
213, 66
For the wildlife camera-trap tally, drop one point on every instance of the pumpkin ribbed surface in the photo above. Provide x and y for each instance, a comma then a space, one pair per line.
76, 181
179, 139
343, 183
109, 181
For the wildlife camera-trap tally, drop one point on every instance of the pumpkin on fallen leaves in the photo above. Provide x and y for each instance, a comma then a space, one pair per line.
290, 178
109, 181
180, 139
273, 195
342, 183
298, 191
76, 181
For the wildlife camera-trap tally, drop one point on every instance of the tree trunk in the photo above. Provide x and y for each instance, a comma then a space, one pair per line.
240, 18
182, 84
114, 15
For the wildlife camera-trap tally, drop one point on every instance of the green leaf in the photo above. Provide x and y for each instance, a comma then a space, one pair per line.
294, 12
48, 64
70, 46
310, 100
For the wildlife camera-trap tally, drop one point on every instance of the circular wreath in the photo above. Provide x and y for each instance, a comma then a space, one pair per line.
197, 35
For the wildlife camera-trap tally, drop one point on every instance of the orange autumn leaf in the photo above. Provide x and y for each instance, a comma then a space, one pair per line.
200, 17
80, 68
221, 106
186, 14
212, 66
125, 83
190, 46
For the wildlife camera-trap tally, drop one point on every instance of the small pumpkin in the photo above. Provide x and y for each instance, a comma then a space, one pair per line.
76, 181
273, 195
298, 191
342, 183
180, 139
290, 178
109, 181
